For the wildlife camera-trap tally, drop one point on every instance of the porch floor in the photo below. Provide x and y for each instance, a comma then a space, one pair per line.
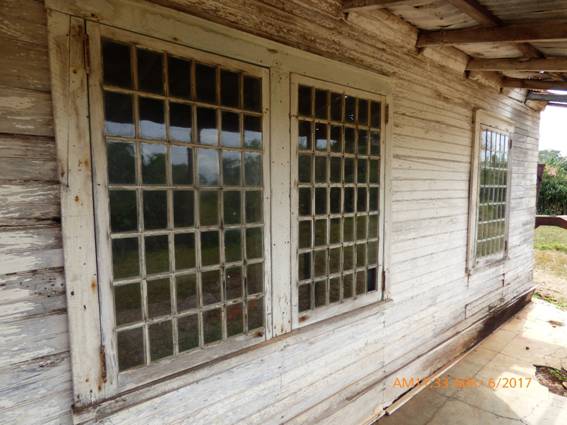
537, 335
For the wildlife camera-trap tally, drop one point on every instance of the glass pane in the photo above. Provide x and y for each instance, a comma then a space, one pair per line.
348, 229
373, 199
348, 257
128, 303
152, 121
335, 200
304, 234
155, 209
360, 282
211, 287
304, 169
181, 165
255, 278
159, 297
349, 170
232, 245
321, 104
334, 289
130, 348
335, 139
205, 82
208, 167
304, 266
231, 166
118, 114
372, 253
336, 170
157, 254
374, 171
253, 206
186, 292
320, 232
362, 175
230, 130
375, 114
304, 101
304, 201
320, 293
255, 314
361, 227
121, 163
348, 201
350, 105
252, 169
161, 340
153, 164
371, 280
347, 286
304, 297
231, 205
150, 71
334, 260
209, 248
321, 200
234, 319
320, 137
183, 208
254, 243
335, 232
209, 208
363, 111
252, 93
374, 143
180, 122
123, 210
212, 325
179, 72
184, 251
320, 262
361, 199
349, 140
188, 332
252, 132
305, 136
230, 88
233, 283
125, 260
116, 64
320, 169
207, 128
336, 107
360, 255
363, 142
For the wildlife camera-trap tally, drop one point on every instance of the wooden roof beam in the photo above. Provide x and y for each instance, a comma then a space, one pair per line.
359, 5
554, 64
547, 97
515, 33
534, 84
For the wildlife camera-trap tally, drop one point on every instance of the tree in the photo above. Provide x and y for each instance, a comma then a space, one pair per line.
552, 198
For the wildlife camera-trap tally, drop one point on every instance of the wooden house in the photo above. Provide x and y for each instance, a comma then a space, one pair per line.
261, 211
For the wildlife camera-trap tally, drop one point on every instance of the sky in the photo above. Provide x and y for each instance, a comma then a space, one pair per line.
553, 129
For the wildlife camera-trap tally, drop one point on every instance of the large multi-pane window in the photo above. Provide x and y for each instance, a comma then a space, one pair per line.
489, 206
184, 160
338, 143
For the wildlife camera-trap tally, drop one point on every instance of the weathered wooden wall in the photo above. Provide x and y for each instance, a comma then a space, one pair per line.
327, 373
35, 372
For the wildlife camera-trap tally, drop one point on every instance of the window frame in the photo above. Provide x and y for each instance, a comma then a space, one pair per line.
301, 319
95, 389
484, 120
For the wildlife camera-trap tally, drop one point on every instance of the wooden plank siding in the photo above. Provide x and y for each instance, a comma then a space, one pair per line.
35, 374
336, 372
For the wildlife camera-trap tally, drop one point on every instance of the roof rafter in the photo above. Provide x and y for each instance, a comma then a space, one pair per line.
358, 5
547, 97
554, 64
519, 83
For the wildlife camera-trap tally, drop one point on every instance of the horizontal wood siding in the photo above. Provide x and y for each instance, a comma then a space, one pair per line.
334, 372
35, 373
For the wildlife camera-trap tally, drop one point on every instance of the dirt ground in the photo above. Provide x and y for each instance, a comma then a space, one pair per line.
550, 273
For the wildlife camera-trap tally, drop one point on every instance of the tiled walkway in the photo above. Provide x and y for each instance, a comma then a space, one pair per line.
535, 336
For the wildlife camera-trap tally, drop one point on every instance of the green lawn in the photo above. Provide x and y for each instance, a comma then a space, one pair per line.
550, 238
550, 271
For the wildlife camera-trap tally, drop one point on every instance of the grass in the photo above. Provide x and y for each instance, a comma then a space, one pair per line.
551, 265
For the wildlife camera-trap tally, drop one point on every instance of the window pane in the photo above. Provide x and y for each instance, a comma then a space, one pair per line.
207, 128
212, 325
334, 289
320, 169
118, 114
150, 71
255, 278
320, 200
128, 303
183, 208
350, 108
233, 245
157, 254
159, 297
230, 131
320, 293
304, 101
188, 331
208, 167
205, 82
186, 287
161, 340
181, 165
252, 169
209, 208
305, 136
336, 139
348, 286
375, 114
253, 206
252, 93
304, 234
184, 251
211, 287
320, 232
321, 104
254, 243
125, 259
234, 319
180, 120
231, 207
336, 107
255, 313
320, 137
155, 209
363, 112
304, 297
130, 348
179, 72
233, 283
231, 168
304, 266
230, 88
121, 163
304, 169
252, 132
123, 210
116, 64
209, 248
304, 201
152, 121
153, 163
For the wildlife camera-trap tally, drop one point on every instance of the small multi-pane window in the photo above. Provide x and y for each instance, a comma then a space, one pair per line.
492, 193
490, 190
338, 137
185, 145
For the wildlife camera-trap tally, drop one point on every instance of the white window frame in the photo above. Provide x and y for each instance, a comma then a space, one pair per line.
95, 383
322, 313
484, 120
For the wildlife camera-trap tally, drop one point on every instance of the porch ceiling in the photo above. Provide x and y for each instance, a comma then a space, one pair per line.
530, 35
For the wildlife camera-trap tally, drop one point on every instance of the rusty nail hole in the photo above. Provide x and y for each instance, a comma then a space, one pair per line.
77, 198
303, 318
527, 348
